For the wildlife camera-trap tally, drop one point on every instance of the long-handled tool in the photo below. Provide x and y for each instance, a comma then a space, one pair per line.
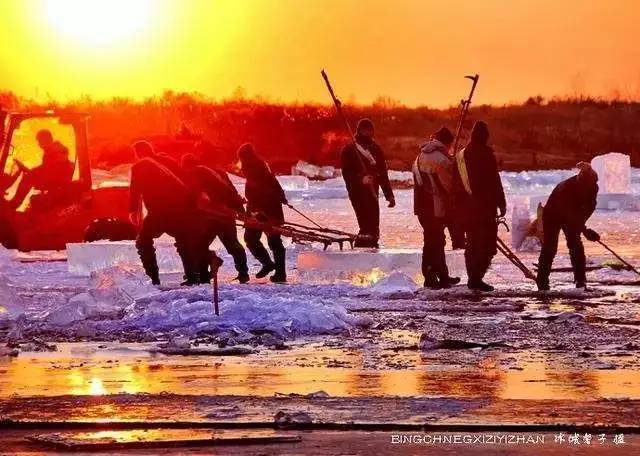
290, 206
464, 104
297, 232
215, 265
338, 105
627, 264
511, 256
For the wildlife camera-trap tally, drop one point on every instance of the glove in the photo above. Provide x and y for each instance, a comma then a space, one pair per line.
591, 235
392, 202
135, 218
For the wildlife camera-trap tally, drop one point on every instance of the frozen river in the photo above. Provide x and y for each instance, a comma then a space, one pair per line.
114, 336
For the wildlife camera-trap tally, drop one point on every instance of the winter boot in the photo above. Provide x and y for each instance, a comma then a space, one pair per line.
242, 277
266, 270
479, 285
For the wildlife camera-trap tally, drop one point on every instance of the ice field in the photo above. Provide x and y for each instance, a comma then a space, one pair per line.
101, 291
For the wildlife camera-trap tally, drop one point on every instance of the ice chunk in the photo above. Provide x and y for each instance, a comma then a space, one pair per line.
11, 305
401, 179
530, 244
618, 201
614, 172
6, 255
365, 267
520, 221
302, 168
285, 314
396, 282
84, 258
293, 182
121, 284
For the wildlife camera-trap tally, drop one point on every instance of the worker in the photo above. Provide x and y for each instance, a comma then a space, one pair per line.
568, 208
222, 204
170, 209
364, 171
265, 198
481, 199
52, 177
432, 196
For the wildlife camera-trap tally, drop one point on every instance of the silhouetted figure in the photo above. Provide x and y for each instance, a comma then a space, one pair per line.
568, 208
265, 198
170, 209
221, 204
481, 197
433, 172
365, 172
53, 177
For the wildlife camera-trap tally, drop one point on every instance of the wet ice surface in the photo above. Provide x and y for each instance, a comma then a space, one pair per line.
344, 337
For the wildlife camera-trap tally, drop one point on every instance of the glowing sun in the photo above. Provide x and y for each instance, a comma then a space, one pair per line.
99, 22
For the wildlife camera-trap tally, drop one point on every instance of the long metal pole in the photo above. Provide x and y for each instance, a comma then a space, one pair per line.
627, 264
338, 105
465, 110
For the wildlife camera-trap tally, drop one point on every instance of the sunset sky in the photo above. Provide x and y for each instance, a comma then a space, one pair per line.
415, 51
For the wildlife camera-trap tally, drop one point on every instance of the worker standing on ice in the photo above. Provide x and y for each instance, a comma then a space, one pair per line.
265, 198
365, 172
433, 172
481, 198
170, 209
568, 208
222, 204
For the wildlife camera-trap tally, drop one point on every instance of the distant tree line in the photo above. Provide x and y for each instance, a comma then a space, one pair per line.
537, 134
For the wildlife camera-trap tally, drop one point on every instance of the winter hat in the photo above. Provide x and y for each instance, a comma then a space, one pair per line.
364, 124
143, 149
586, 173
444, 135
480, 133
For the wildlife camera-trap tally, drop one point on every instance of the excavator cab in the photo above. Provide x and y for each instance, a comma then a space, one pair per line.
47, 220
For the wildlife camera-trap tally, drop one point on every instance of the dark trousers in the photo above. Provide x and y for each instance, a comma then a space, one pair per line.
367, 212
257, 249
181, 227
434, 262
228, 234
482, 236
552, 227
456, 232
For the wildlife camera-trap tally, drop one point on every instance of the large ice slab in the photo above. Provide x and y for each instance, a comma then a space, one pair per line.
614, 172
85, 258
367, 266
303, 168
520, 221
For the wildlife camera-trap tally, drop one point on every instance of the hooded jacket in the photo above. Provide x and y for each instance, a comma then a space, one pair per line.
262, 190
433, 178
478, 183
160, 189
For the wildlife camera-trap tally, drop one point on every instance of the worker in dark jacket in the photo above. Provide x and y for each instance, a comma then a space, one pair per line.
53, 177
568, 208
170, 209
265, 198
432, 193
221, 204
365, 172
481, 199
